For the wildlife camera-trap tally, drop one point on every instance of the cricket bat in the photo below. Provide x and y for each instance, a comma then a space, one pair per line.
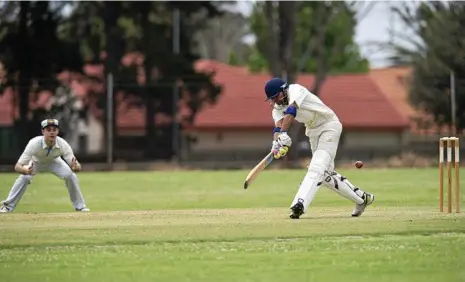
257, 169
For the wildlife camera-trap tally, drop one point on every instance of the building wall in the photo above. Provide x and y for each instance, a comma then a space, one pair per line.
372, 139
95, 134
260, 139
230, 140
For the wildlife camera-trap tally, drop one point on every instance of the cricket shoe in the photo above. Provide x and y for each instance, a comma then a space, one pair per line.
360, 208
297, 210
84, 209
4, 209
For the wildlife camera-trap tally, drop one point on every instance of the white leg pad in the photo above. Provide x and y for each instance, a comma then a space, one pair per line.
343, 187
309, 186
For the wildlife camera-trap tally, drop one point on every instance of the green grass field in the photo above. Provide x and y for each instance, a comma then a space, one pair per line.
203, 226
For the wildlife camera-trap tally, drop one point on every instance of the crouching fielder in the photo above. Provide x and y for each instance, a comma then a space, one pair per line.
43, 153
323, 129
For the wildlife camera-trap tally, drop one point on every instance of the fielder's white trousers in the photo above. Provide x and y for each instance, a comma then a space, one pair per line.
59, 168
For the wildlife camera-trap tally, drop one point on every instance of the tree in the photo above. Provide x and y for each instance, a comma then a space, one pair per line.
435, 48
279, 36
145, 30
33, 54
219, 37
335, 25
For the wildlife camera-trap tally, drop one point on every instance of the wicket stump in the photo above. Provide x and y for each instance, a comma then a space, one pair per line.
449, 142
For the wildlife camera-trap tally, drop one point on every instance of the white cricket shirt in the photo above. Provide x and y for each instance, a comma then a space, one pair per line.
311, 111
38, 151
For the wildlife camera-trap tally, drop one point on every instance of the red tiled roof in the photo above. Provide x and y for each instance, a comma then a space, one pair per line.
356, 99
358, 102
393, 83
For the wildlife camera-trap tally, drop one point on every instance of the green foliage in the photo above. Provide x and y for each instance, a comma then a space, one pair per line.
435, 48
233, 60
257, 61
31, 44
351, 61
146, 30
258, 26
33, 53
341, 52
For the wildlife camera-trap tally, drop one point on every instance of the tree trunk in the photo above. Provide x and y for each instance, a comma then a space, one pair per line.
150, 140
24, 79
113, 55
320, 25
320, 53
287, 15
273, 40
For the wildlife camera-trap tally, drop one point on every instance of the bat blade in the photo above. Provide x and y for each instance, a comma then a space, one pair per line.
257, 169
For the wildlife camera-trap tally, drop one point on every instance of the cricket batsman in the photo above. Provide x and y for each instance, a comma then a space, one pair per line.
294, 102
46, 153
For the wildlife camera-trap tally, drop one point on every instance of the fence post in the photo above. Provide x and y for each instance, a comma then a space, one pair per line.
176, 47
109, 124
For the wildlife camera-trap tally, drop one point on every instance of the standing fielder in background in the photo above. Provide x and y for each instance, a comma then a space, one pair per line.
43, 153
323, 129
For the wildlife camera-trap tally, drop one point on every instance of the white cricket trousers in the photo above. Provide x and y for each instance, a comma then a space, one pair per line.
326, 137
324, 142
59, 168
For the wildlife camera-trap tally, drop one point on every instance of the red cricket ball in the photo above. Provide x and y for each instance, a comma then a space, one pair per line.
358, 164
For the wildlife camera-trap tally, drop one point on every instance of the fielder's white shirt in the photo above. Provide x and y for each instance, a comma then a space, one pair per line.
311, 111
38, 151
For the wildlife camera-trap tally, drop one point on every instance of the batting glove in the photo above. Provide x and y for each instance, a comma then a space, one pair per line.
278, 150
284, 140
275, 147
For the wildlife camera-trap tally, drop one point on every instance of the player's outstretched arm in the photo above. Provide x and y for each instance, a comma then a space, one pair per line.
75, 165
24, 159
289, 117
70, 158
278, 125
19, 168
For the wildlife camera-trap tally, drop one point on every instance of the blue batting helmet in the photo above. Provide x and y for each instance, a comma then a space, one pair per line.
274, 86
